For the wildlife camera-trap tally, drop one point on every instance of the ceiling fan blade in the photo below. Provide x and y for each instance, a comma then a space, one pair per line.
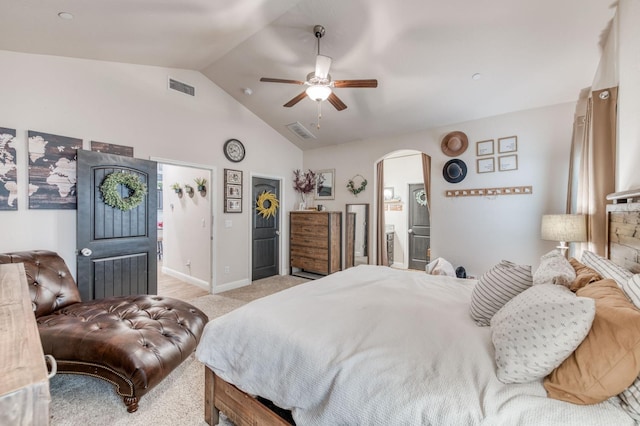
295, 100
356, 83
336, 102
323, 63
279, 80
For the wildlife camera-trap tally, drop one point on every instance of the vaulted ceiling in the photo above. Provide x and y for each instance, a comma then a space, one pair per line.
528, 53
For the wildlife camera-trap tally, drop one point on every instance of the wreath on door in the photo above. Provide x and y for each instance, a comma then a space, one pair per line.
421, 197
267, 204
111, 196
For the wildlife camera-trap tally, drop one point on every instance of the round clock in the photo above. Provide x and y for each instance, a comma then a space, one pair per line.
234, 150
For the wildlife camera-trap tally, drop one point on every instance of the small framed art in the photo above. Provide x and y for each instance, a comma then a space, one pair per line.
325, 184
484, 148
233, 191
233, 205
485, 165
388, 193
232, 176
509, 144
507, 162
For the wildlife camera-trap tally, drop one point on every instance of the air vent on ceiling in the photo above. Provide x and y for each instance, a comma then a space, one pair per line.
301, 131
182, 87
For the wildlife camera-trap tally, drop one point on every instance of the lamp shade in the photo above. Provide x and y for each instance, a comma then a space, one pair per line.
564, 227
318, 92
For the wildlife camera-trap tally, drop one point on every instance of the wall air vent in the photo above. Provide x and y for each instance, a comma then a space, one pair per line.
182, 87
300, 131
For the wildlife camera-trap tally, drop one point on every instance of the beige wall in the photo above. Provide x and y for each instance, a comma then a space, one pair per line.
130, 105
475, 232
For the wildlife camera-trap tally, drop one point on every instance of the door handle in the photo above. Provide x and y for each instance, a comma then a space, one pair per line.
410, 231
86, 252
277, 232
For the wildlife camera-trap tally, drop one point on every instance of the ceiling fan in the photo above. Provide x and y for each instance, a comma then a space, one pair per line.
320, 86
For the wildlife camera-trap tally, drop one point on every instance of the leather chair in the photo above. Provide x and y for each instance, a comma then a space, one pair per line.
132, 342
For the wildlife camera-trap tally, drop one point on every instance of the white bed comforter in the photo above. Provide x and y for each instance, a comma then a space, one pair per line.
376, 346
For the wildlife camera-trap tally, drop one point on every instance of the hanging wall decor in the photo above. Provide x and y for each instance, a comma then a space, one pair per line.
8, 170
232, 191
109, 148
351, 185
52, 171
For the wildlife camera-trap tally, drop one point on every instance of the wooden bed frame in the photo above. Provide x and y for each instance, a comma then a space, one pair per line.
623, 248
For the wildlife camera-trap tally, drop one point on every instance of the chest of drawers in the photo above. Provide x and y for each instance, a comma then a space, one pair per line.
316, 242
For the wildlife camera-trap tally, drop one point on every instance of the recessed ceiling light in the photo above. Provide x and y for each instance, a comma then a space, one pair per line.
476, 76
247, 91
65, 15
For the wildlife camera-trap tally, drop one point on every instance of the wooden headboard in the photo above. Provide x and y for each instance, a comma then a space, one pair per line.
623, 223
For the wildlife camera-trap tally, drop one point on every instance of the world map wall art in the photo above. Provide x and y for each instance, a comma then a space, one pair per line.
52, 171
8, 170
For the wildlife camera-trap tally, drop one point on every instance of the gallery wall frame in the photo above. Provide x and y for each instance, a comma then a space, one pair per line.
507, 144
485, 165
507, 163
232, 191
484, 148
325, 184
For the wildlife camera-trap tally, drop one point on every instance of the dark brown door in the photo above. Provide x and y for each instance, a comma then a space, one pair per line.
265, 232
116, 248
419, 227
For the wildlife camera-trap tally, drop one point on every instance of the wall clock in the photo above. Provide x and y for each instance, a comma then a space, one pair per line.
234, 150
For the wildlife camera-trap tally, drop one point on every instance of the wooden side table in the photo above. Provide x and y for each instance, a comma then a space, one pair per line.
24, 385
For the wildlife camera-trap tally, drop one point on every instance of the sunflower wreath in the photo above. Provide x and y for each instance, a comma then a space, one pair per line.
267, 210
111, 196
351, 186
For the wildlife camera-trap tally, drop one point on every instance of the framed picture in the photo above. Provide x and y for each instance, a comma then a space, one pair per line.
509, 144
233, 191
233, 176
8, 169
508, 162
325, 185
233, 206
388, 193
484, 148
486, 165
109, 148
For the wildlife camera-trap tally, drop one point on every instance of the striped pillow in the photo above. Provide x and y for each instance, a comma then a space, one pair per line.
630, 398
606, 268
632, 289
496, 287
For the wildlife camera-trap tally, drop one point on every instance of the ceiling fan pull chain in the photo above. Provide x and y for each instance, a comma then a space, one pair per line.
319, 113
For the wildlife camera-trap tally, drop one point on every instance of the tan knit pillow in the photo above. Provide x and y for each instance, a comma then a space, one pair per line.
608, 360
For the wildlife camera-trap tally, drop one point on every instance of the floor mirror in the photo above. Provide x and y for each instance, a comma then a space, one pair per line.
357, 235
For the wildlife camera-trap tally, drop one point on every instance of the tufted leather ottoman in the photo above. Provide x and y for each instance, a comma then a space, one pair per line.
132, 342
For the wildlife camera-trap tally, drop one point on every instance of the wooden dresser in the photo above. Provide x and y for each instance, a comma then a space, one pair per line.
24, 385
316, 242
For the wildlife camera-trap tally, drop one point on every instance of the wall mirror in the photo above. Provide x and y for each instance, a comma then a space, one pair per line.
357, 235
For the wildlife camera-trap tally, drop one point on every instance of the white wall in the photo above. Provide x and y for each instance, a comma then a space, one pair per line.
476, 232
130, 105
628, 36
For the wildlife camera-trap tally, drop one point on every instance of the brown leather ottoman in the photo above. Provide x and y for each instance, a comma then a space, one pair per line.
132, 342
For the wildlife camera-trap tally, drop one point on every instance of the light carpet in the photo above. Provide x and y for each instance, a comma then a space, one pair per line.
177, 400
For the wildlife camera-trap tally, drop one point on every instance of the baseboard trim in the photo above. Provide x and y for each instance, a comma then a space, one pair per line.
231, 286
186, 278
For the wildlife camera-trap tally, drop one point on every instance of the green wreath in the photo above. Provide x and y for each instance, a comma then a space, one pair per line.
351, 186
421, 197
111, 196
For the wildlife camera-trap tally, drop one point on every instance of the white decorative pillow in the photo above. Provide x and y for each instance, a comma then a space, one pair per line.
554, 269
440, 266
606, 268
537, 330
496, 287
632, 289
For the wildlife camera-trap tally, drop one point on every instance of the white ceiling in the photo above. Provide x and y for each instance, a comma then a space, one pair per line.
530, 53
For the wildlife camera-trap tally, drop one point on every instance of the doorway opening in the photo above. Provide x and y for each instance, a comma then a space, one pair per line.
403, 211
185, 228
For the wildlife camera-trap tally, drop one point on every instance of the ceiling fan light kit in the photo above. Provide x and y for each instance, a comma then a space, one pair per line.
320, 86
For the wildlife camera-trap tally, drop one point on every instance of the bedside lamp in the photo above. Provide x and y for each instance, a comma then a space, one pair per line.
564, 228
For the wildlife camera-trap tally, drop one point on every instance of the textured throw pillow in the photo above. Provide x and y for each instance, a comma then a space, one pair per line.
608, 360
632, 288
537, 330
630, 400
554, 269
584, 275
440, 266
606, 268
496, 287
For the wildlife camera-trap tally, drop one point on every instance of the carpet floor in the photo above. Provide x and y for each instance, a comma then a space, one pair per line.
177, 400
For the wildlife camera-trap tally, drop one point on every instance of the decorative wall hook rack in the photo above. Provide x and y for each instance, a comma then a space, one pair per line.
490, 192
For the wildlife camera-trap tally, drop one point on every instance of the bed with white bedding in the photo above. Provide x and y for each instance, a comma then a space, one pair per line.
376, 346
